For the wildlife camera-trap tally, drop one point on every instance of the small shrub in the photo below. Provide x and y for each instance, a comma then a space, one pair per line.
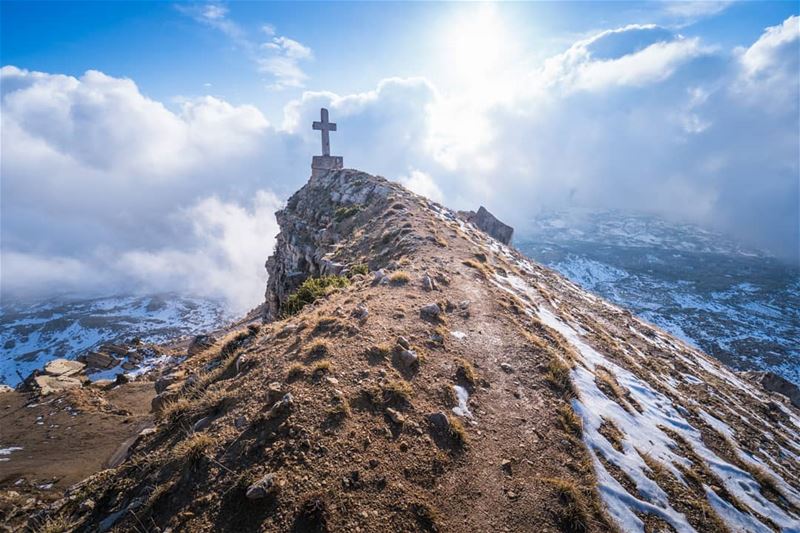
346, 212
360, 268
401, 277
310, 291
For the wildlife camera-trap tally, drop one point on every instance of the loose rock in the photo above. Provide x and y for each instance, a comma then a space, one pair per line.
262, 488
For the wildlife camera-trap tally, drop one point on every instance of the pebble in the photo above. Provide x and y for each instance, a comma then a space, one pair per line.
263, 487
508, 369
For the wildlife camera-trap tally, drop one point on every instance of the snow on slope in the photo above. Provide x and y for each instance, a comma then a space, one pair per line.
32, 334
645, 401
739, 305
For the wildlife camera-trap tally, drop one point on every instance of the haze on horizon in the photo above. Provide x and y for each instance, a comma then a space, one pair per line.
146, 146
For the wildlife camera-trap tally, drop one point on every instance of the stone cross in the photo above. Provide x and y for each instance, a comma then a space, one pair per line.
325, 127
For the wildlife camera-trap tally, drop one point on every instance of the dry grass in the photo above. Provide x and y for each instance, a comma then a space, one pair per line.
379, 351
483, 269
296, 371
397, 391
458, 435
612, 433
558, 378
319, 348
427, 518
340, 409
194, 447
465, 371
573, 515
360, 268
54, 524
449, 395
607, 383
321, 367
401, 277
570, 421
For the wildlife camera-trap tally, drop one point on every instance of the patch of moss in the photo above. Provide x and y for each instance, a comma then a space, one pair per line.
310, 291
346, 212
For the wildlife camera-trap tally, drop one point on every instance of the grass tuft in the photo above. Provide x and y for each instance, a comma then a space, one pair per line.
310, 291
573, 516
458, 435
465, 371
194, 447
401, 277
570, 422
558, 377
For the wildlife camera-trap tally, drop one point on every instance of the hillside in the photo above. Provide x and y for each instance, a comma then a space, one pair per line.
738, 305
437, 380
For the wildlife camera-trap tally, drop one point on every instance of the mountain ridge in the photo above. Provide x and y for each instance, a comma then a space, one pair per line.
434, 379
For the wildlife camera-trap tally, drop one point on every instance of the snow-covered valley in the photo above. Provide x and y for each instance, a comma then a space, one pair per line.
33, 333
739, 305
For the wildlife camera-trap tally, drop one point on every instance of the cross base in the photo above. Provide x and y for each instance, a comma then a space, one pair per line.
321, 164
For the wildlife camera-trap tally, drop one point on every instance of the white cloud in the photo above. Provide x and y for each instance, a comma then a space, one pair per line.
93, 171
422, 183
635, 55
279, 58
104, 188
765, 53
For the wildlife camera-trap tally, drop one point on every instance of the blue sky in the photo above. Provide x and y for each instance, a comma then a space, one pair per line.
355, 45
146, 145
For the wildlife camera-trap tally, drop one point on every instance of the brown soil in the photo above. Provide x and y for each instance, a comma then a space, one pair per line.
64, 439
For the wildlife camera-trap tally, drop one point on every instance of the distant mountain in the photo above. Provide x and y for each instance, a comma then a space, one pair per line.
738, 304
33, 333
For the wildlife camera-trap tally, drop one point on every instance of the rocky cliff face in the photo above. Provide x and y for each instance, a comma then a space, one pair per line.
446, 383
310, 229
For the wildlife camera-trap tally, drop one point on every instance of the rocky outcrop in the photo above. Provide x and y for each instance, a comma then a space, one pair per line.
310, 225
772, 382
489, 224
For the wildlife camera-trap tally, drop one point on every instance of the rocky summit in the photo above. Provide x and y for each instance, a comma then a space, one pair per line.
413, 373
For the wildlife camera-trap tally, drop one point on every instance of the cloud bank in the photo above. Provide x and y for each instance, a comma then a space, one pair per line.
104, 188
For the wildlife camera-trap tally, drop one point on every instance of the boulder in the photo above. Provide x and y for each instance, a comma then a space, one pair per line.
772, 382
201, 343
52, 384
408, 358
489, 224
115, 349
63, 367
439, 423
100, 360
431, 311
